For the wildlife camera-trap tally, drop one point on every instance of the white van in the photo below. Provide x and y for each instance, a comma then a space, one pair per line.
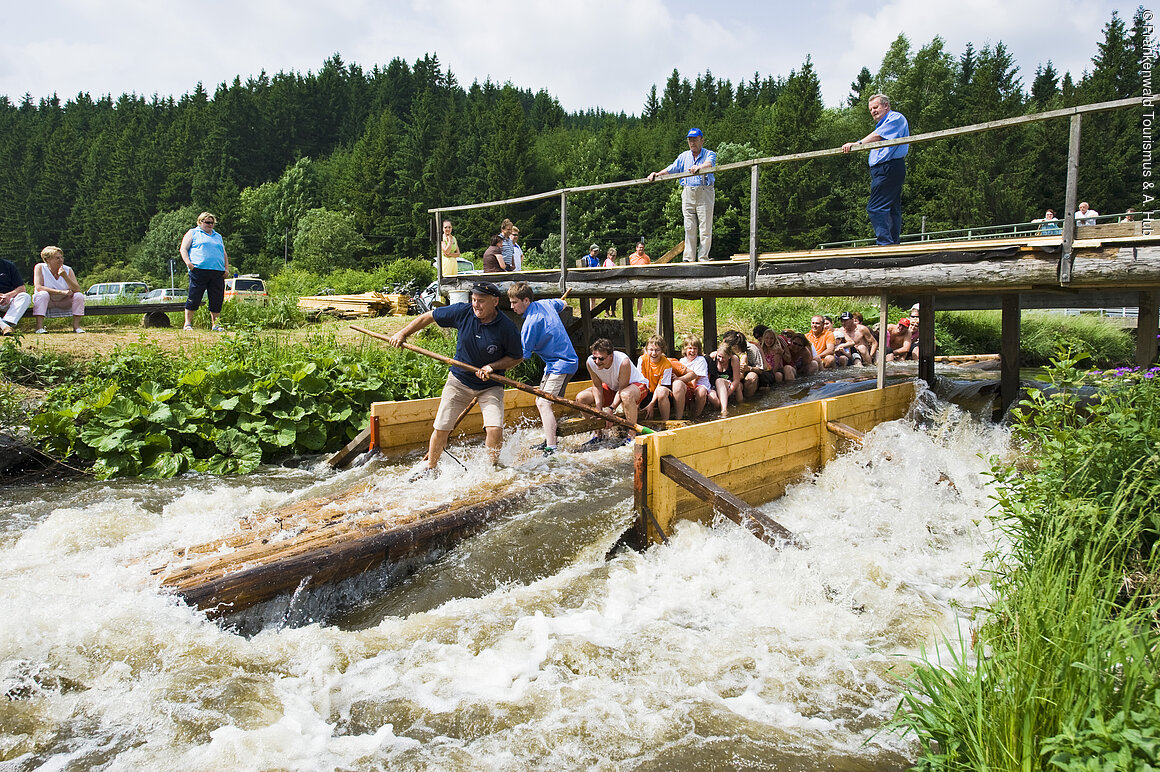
116, 292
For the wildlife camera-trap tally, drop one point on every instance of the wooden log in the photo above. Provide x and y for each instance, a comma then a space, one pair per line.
360, 444
753, 520
668, 256
843, 430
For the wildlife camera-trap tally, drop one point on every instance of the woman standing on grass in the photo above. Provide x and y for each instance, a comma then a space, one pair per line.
204, 254
55, 286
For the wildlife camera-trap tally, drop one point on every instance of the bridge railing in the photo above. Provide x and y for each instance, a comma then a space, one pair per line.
1074, 114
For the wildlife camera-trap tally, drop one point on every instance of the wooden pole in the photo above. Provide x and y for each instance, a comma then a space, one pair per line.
1146, 327
709, 322
610, 417
1009, 352
665, 321
883, 335
564, 242
926, 339
753, 227
1070, 202
629, 327
752, 519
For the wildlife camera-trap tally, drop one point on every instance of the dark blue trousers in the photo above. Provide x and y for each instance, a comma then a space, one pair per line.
885, 204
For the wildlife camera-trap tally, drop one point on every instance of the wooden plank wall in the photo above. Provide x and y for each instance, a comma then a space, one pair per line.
406, 424
755, 456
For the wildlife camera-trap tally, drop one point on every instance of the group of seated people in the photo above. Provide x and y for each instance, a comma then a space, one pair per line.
666, 387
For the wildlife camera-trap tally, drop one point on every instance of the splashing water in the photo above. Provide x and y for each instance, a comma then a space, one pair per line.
523, 648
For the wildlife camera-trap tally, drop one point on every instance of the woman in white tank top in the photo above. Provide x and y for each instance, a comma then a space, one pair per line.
56, 287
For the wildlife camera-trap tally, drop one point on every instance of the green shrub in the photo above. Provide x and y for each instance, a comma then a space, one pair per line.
418, 273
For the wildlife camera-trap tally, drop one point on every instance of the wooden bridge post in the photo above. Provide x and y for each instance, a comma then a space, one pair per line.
926, 339
629, 324
1147, 327
665, 321
564, 247
1069, 204
753, 227
1009, 352
709, 322
883, 350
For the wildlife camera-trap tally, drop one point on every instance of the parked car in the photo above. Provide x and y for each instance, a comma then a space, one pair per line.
167, 295
116, 292
248, 288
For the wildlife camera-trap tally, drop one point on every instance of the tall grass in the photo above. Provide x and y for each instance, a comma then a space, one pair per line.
1063, 674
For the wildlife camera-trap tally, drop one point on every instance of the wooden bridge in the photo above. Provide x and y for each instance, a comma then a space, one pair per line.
1101, 265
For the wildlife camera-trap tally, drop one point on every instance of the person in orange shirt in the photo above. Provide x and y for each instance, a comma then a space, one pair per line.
664, 380
822, 341
639, 257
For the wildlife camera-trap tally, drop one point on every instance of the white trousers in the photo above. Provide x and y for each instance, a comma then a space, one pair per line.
16, 308
697, 207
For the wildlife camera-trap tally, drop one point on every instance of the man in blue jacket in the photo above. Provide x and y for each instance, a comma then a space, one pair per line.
887, 170
544, 333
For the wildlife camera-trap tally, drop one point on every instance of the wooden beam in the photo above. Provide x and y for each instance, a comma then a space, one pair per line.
637, 537
1147, 327
753, 227
926, 339
360, 444
585, 323
1009, 352
629, 322
883, 321
665, 321
753, 520
709, 322
1069, 205
848, 432
563, 242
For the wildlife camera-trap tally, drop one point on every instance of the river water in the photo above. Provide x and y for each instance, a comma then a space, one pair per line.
522, 648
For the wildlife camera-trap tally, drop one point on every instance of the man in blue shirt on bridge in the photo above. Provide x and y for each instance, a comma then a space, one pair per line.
887, 170
696, 195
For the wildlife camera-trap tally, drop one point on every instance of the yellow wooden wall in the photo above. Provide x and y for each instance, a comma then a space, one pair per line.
756, 455
406, 424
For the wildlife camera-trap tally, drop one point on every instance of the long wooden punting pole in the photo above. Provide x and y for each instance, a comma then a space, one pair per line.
610, 417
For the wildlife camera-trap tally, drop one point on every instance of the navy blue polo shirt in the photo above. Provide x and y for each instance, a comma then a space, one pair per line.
10, 277
479, 344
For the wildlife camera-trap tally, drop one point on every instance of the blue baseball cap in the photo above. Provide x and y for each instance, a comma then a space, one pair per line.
694, 133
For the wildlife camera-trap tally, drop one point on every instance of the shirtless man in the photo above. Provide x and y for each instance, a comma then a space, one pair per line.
902, 338
616, 381
864, 340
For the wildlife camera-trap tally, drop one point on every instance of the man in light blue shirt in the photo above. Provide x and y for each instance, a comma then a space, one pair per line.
544, 333
697, 195
887, 170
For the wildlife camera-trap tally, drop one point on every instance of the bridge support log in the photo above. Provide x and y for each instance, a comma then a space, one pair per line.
1009, 352
1147, 325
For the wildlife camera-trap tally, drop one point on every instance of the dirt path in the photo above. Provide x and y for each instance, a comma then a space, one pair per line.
102, 337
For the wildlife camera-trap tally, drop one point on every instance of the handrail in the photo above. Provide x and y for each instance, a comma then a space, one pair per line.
929, 136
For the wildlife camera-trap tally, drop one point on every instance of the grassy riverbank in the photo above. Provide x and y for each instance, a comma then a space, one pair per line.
1063, 674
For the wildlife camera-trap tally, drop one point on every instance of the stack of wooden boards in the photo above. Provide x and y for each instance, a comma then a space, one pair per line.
355, 306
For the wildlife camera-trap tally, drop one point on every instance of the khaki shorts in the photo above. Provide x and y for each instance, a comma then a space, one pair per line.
555, 383
456, 397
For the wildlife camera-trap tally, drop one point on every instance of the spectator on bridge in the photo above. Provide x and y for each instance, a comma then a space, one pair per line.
14, 298
1129, 215
1085, 215
610, 259
517, 263
887, 170
638, 257
493, 260
1049, 225
56, 287
592, 259
508, 246
697, 195
449, 248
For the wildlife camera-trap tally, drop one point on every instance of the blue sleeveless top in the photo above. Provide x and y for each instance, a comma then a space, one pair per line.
207, 250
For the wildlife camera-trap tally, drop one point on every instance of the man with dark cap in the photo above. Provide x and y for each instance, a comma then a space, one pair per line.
489, 342
696, 195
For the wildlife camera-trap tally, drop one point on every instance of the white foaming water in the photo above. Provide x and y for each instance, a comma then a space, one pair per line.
714, 651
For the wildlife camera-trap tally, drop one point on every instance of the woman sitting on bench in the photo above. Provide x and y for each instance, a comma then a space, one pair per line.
56, 287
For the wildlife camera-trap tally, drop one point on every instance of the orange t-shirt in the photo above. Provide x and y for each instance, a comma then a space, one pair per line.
820, 341
635, 259
654, 372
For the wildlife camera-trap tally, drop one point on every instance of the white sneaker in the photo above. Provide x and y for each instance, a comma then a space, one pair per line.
6, 329
78, 330
187, 328
41, 331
